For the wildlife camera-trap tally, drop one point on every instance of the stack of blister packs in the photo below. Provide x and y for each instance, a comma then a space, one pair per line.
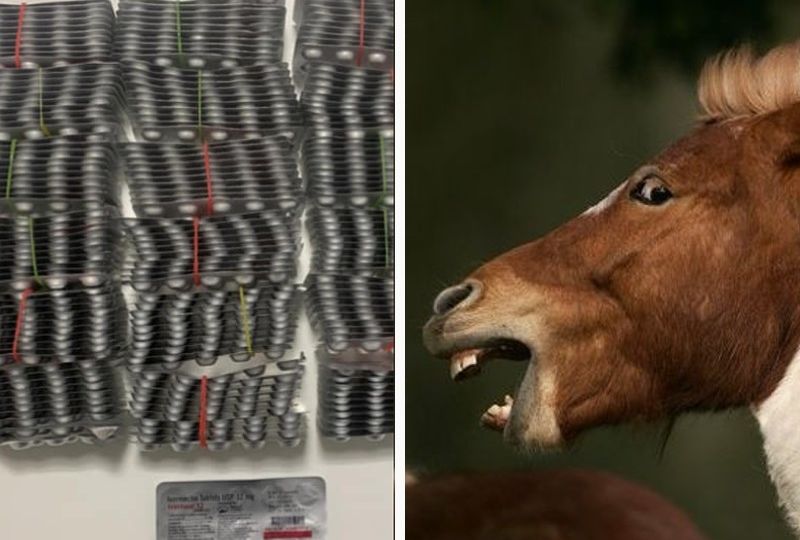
202, 34
344, 32
43, 34
250, 406
344, 62
213, 252
62, 314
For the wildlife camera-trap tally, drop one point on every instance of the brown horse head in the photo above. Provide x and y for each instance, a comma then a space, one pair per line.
677, 292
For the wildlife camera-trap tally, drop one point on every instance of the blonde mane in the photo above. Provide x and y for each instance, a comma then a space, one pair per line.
738, 83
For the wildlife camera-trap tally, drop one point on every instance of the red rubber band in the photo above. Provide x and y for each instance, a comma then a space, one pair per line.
196, 242
389, 347
362, 23
202, 420
18, 40
209, 185
23, 303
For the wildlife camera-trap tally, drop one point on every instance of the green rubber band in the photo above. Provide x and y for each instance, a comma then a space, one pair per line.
35, 268
248, 339
42, 124
200, 104
10, 174
178, 29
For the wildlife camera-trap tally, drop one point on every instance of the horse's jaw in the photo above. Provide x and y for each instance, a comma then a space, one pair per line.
779, 419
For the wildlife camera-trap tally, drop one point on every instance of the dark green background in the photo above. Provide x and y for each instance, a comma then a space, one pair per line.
520, 116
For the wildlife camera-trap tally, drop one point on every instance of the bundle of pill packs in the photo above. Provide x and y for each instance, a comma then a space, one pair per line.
63, 327
343, 62
213, 251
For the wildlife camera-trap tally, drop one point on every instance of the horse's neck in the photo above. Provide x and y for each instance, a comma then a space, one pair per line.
779, 418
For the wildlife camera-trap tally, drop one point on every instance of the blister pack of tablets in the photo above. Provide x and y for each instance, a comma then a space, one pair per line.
351, 168
180, 253
352, 240
59, 250
202, 325
251, 407
197, 104
55, 404
80, 99
60, 174
40, 35
201, 34
233, 176
347, 32
356, 393
60, 326
344, 97
351, 311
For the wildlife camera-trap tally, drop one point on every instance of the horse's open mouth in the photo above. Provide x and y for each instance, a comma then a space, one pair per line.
469, 363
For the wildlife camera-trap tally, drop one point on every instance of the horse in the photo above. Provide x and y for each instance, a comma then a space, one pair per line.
680, 291
556, 504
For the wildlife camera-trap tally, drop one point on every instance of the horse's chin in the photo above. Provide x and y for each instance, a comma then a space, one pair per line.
532, 423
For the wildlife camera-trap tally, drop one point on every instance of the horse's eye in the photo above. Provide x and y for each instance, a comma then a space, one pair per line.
651, 190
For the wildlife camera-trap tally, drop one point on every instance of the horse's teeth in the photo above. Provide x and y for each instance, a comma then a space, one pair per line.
496, 417
462, 362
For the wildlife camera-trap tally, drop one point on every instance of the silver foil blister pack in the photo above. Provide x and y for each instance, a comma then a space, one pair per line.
271, 509
346, 32
200, 34
61, 174
233, 176
196, 104
81, 99
36, 35
56, 404
349, 167
356, 393
352, 240
251, 407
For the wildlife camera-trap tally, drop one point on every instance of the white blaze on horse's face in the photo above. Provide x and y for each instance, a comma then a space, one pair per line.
679, 291
606, 202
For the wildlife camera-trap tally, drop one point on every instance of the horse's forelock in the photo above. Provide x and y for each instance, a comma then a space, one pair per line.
738, 83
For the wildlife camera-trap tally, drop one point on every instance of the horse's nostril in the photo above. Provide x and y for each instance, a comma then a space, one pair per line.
452, 297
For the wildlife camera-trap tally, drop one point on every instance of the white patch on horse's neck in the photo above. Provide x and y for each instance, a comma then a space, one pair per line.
779, 418
605, 203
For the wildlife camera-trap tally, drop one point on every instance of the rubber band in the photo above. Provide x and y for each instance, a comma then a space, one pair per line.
202, 419
248, 338
18, 39
362, 23
196, 243
200, 104
34, 266
209, 184
389, 347
23, 303
178, 29
12, 151
384, 180
42, 124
